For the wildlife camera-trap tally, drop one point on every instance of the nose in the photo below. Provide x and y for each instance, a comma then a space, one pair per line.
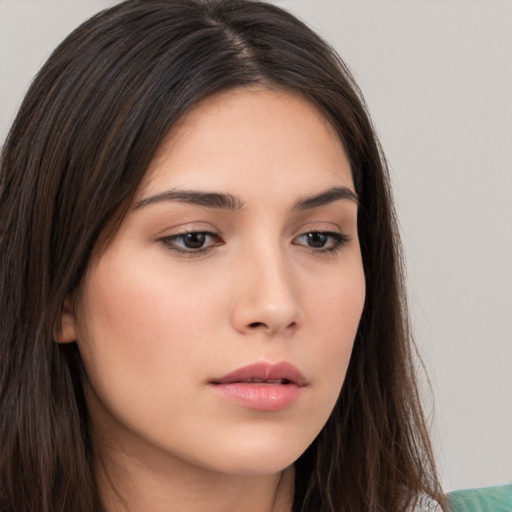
266, 295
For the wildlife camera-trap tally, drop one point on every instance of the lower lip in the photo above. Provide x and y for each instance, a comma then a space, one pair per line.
261, 397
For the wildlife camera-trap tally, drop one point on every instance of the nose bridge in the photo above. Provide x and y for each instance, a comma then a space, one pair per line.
267, 297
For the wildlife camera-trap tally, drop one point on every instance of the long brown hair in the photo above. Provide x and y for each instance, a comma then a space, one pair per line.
84, 135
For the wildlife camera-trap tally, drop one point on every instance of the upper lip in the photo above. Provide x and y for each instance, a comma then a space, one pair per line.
280, 372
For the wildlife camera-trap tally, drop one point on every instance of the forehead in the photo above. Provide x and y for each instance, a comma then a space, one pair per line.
249, 137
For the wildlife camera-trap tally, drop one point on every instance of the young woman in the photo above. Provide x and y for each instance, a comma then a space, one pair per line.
200, 278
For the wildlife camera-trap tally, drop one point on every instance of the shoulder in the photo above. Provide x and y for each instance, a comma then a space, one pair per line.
497, 499
426, 504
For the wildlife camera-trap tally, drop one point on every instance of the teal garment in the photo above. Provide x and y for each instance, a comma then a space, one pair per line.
487, 499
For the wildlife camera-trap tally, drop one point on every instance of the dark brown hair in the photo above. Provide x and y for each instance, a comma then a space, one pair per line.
84, 135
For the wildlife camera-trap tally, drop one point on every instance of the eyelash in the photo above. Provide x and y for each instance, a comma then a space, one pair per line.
338, 240
171, 242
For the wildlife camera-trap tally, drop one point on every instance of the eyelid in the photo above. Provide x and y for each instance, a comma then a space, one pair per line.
338, 240
170, 241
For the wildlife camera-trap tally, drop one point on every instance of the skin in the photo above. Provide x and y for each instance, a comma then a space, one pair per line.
155, 324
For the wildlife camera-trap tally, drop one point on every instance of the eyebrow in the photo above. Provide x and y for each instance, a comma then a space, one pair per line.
329, 196
209, 199
223, 201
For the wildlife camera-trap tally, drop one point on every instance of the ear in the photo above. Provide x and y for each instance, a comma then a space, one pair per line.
66, 333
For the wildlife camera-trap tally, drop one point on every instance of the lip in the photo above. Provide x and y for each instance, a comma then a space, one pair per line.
262, 386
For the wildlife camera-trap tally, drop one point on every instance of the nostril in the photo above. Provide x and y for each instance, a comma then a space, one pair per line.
255, 325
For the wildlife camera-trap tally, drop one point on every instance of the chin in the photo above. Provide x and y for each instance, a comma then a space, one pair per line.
268, 456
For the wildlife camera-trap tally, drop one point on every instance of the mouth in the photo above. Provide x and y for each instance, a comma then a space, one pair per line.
262, 386
263, 381
264, 373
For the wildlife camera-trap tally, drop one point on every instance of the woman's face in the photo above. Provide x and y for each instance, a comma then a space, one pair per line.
240, 252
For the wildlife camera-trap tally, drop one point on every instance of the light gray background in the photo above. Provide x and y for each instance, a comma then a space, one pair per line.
437, 76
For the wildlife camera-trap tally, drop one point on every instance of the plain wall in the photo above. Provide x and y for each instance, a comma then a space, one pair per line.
437, 76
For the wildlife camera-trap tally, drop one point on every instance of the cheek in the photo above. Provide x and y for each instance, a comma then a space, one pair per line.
336, 305
128, 297
139, 325
336, 311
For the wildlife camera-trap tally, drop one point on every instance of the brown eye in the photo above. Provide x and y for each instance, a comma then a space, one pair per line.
317, 240
194, 242
322, 241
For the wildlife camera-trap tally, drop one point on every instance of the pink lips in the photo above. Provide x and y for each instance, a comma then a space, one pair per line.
262, 386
